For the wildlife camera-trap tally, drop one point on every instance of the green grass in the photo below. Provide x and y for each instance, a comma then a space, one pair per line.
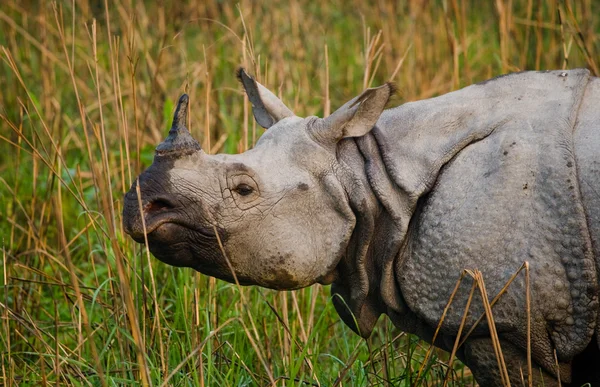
86, 93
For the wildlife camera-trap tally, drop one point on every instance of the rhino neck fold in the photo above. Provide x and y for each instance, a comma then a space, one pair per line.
365, 286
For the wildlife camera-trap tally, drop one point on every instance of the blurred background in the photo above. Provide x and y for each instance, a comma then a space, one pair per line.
87, 90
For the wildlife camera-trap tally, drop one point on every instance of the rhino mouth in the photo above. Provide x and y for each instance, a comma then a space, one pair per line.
155, 213
161, 213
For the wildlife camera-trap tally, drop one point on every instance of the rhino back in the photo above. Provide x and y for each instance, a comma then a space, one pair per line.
587, 156
510, 197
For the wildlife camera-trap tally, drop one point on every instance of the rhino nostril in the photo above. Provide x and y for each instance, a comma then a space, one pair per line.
158, 205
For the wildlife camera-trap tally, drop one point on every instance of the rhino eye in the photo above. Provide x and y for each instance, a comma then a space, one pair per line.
244, 189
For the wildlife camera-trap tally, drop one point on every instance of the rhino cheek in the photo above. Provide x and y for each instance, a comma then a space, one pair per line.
312, 244
291, 255
266, 264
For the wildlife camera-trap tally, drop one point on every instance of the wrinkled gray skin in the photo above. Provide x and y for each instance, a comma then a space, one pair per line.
391, 205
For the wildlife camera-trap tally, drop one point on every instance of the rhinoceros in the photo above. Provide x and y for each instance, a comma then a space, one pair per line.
390, 206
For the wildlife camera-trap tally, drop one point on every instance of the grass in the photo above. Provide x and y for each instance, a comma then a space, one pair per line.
87, 90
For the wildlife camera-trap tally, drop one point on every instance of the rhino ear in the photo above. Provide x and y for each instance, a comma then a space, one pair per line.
267, 108
358, 116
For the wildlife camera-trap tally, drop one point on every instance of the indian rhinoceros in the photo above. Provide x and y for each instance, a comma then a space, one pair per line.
390, 206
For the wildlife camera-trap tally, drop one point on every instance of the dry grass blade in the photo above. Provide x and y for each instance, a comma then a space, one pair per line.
327, 102
480, 284
400, 63
528, 307
372, 57
478, 277
460, 329
557, 369
565, 50
503, 15
579, 38
5, 320
157, 320
453, 46
493, 302
75, 284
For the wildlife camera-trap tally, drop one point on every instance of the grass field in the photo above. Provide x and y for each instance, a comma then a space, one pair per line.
87, 90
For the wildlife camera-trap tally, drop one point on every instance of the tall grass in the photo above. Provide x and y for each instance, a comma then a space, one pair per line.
87, 90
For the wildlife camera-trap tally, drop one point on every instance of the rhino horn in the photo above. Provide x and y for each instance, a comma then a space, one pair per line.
266, 107
179, 142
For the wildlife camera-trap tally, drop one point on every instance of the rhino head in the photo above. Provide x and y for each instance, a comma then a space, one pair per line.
276, 215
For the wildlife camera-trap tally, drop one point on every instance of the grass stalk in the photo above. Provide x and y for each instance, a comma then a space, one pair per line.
5, 321
460, 329
478, 277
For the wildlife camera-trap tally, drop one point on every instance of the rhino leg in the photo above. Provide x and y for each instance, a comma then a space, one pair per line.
479, 356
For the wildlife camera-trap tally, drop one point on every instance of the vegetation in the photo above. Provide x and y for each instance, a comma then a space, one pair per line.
87, 90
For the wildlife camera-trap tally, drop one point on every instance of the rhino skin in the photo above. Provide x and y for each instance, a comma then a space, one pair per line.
390, 206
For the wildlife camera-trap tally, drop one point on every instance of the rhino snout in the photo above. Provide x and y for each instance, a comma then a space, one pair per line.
132, 219
143, 216
176, 231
